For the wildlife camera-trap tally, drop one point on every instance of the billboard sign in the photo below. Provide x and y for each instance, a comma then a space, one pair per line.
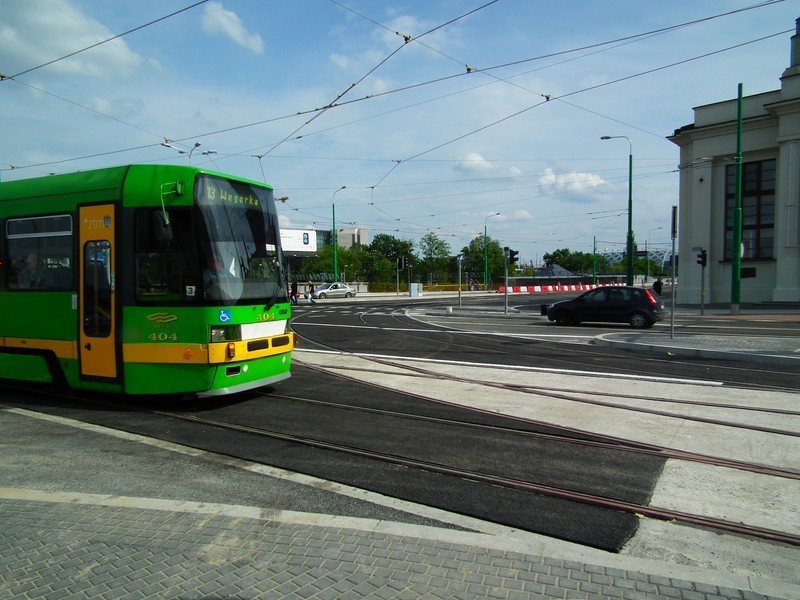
299, 240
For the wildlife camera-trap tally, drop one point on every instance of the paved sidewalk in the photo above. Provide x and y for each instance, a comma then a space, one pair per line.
79, 549
68, 532
761, 350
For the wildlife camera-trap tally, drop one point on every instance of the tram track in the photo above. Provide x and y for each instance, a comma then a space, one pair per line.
736, 375
392, 366
562, 493
401, 457
587, 397
577, 396
564, 434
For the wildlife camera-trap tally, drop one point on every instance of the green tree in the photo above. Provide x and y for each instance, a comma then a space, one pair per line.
319, 266
474, 260
434, 257
579, 263
384, 252
351, 261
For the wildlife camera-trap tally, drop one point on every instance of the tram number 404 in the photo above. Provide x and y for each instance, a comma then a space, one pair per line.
163, 337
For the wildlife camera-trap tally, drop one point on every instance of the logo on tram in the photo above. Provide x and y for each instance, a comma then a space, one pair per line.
162, 317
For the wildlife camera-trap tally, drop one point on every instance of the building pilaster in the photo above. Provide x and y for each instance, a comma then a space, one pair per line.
787, 224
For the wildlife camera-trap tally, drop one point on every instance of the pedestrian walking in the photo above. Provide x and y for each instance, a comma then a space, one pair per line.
310, 292
657, 285
293, 293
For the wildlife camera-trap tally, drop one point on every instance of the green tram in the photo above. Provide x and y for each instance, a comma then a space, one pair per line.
143, 279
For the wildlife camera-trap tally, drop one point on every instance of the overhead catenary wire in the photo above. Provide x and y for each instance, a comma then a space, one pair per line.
363, 77
575, 92
105, 41
405, 88
395, 163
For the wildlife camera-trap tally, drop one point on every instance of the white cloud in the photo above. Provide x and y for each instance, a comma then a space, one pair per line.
219, 21
45, 30
551, 182
284, 222
475, 163
119, 108
340, 61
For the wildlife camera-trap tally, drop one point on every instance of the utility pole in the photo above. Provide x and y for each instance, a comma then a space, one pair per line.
505, 286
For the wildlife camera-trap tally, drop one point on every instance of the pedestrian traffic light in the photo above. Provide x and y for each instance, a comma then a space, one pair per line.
513, 256
701, 258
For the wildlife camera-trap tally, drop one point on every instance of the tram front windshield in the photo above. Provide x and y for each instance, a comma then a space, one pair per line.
225, 250
239, 243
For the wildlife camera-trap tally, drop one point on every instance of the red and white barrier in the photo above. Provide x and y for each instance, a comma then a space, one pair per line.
538, 289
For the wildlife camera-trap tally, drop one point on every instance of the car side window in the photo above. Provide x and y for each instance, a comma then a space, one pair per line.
597, 297
617, 297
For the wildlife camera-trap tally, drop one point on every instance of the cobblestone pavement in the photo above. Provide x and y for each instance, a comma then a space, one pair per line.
79, 550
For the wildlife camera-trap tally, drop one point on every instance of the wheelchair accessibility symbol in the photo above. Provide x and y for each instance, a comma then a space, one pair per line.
224, 316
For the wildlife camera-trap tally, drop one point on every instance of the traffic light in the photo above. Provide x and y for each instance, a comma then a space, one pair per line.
513, 256
701, 258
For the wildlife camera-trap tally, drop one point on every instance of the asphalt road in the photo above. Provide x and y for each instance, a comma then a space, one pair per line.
480, 331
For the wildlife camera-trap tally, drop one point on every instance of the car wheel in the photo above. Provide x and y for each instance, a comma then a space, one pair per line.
348, 295
563, 318
640, 321
322, 296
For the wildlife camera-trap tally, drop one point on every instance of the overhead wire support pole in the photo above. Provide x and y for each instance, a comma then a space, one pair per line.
486, 253
334, 237
736, 243
629, 243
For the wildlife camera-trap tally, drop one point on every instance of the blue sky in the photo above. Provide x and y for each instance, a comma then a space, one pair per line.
421, 144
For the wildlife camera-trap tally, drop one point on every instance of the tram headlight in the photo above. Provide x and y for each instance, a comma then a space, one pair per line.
225, 333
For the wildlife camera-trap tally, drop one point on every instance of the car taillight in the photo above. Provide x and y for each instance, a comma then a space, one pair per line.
651, 298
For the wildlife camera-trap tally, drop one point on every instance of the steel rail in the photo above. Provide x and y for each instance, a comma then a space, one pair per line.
600, 440
546, 490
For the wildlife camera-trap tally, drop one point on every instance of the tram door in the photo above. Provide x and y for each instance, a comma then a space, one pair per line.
96, 292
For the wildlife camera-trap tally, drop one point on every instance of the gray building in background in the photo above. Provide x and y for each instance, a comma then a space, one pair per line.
770, 267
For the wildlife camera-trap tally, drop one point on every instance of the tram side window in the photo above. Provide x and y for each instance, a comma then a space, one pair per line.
41, 253
166, 264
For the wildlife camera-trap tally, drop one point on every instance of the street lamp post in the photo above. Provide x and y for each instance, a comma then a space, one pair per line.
486, 253
629, 245
334, 237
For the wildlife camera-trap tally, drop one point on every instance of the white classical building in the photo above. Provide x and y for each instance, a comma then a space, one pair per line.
770, 266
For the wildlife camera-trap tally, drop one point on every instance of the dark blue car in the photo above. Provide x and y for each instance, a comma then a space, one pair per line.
638, 306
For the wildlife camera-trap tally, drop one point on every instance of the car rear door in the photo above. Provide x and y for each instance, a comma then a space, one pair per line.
618, 305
